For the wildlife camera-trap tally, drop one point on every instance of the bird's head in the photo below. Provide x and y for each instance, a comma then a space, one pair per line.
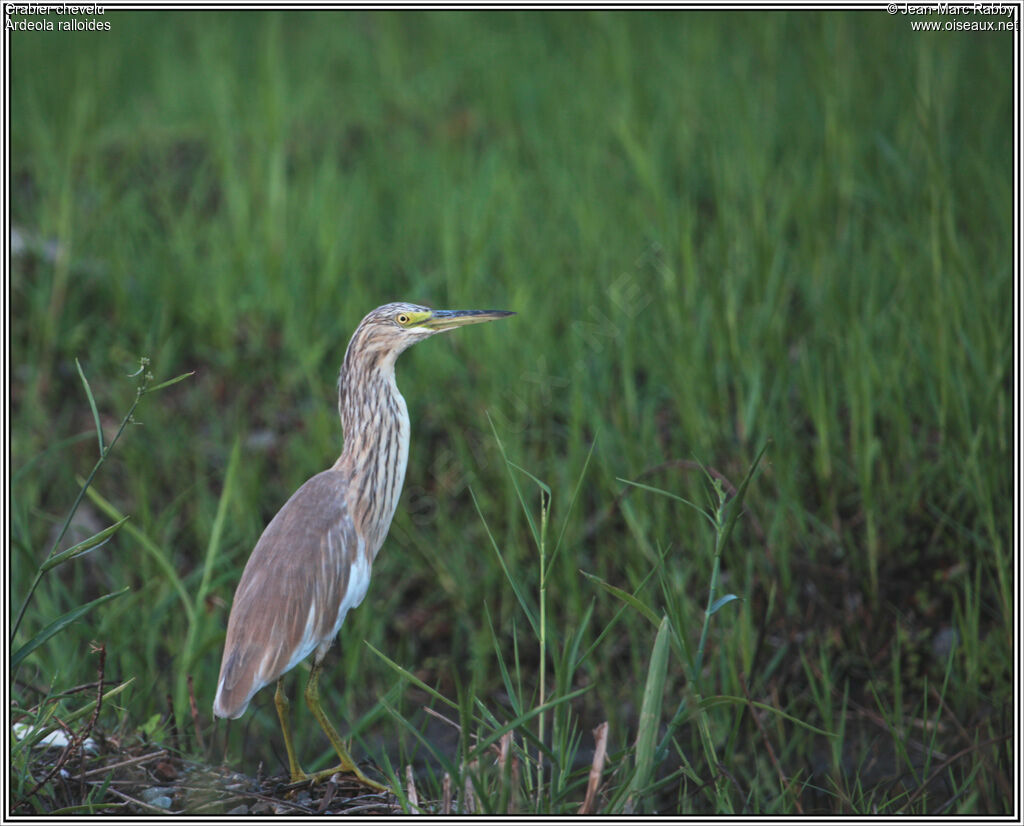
388, 331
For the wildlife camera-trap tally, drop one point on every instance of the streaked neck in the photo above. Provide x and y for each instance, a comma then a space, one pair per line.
375, 424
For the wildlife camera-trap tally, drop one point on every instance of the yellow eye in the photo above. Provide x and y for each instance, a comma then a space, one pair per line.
402, 319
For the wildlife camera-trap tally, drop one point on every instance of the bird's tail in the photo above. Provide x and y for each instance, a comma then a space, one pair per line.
232, 699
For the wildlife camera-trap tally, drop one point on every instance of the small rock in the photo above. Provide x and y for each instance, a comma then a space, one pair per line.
158, 796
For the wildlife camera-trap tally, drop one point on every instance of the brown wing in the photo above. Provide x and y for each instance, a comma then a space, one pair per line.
288, 600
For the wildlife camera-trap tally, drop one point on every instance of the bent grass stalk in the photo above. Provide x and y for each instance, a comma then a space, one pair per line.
52, 558
723, 520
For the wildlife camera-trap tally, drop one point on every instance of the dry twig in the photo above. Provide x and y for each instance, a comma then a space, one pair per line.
596, 768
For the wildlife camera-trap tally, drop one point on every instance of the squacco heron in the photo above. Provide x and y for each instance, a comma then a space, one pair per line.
312, 564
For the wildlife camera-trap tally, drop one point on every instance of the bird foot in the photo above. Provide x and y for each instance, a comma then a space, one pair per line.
353, 771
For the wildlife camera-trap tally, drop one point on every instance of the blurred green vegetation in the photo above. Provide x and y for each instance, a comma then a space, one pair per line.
717, 229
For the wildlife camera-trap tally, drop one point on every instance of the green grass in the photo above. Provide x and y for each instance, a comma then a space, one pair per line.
718, 231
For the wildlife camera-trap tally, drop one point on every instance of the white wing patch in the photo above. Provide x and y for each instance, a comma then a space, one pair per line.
358, 583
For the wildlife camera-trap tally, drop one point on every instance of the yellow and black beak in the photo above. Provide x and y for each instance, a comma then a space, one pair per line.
440, 320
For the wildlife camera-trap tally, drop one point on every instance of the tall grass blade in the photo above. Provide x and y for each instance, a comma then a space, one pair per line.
670, 495
92, 543
626, 597
412, 678
154, 550
427, 744
718, 603
527, 609
510, 689
186, 659
92, 407
525, 717
60, 624
169, 382
726, 699
614, 620
515, 484
650, 713
572, 500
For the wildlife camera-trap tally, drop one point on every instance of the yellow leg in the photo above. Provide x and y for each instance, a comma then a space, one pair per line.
281, 701
347, 764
